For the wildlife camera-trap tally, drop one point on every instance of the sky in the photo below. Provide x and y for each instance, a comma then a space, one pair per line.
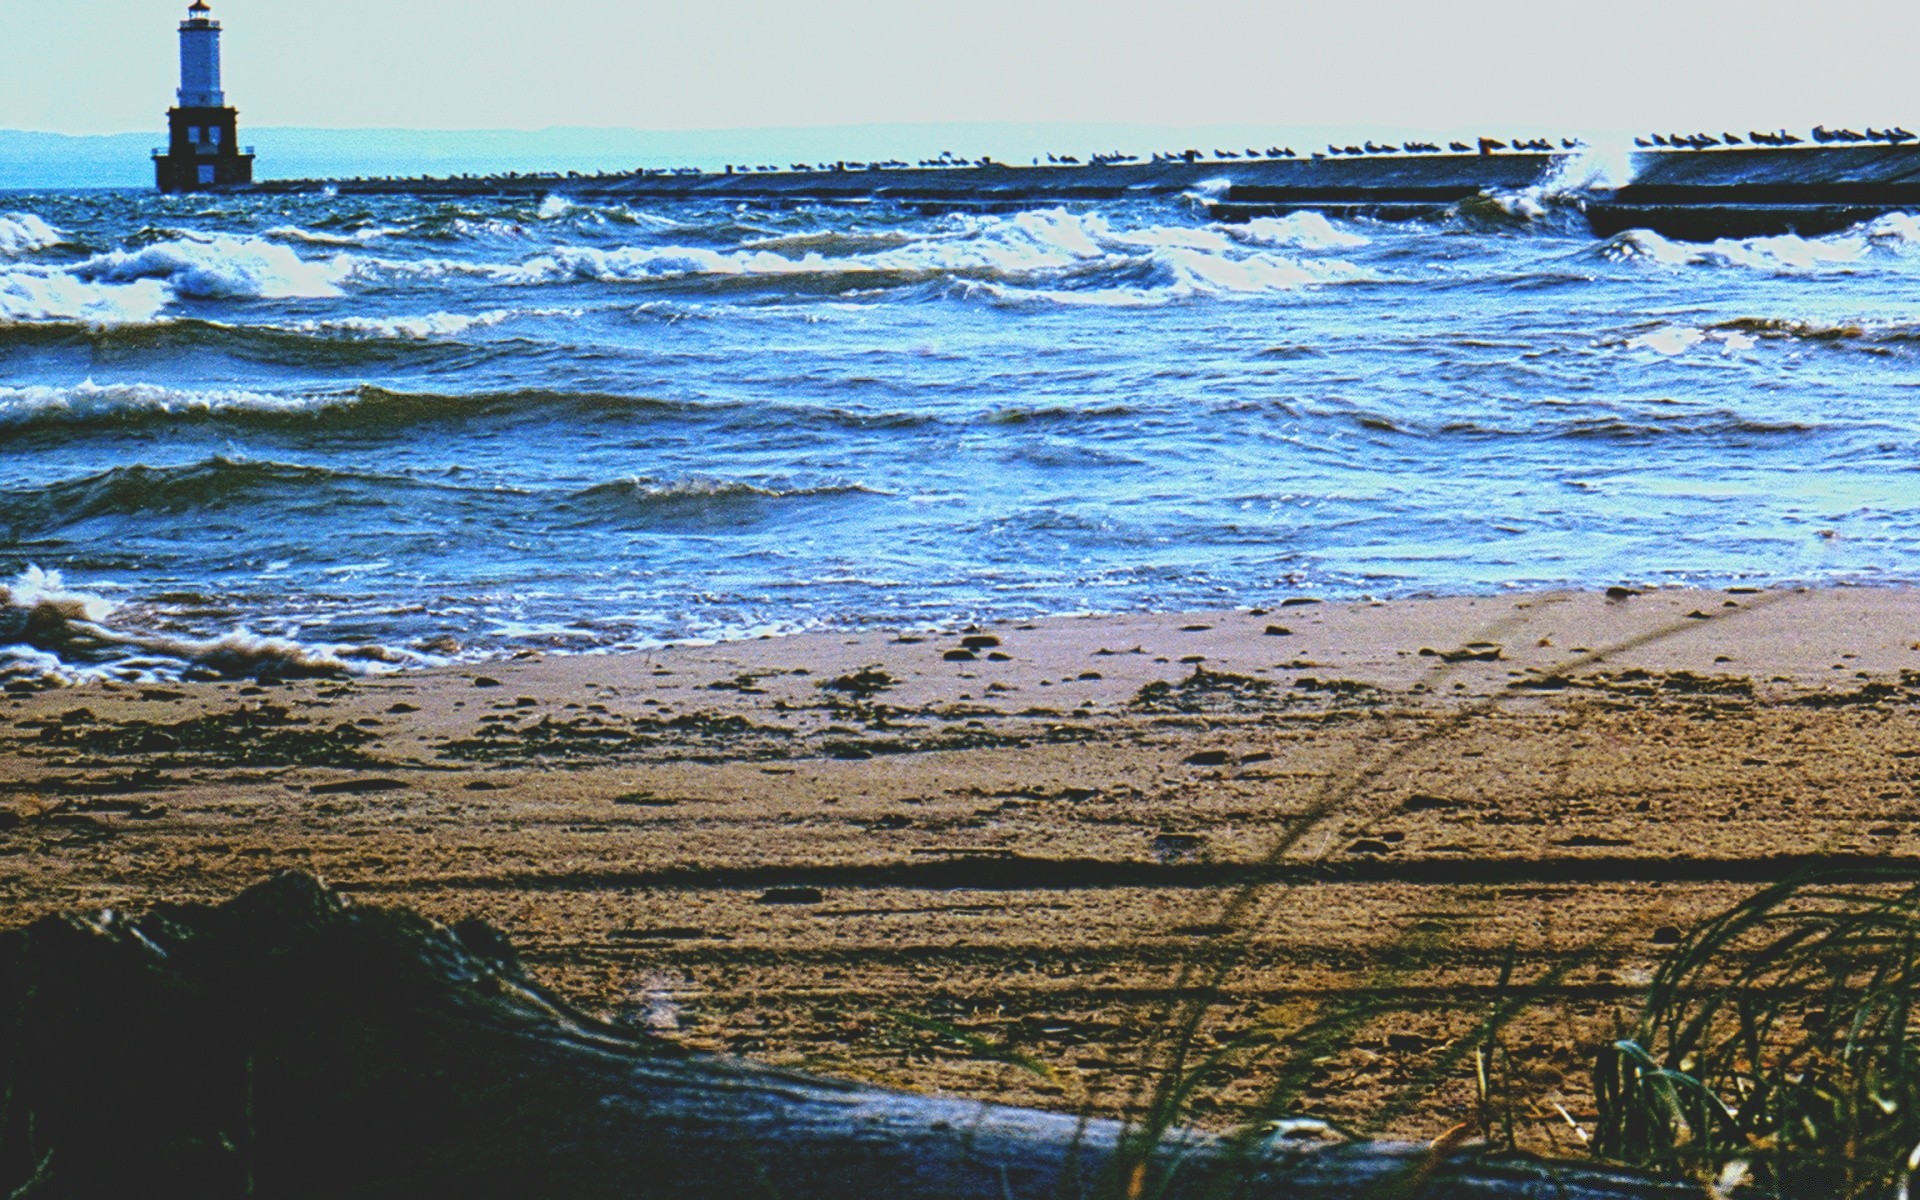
108, 66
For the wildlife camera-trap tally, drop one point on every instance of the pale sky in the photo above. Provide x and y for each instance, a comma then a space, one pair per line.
102, 66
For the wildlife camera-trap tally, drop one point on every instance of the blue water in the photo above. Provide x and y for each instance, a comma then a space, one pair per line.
439, 431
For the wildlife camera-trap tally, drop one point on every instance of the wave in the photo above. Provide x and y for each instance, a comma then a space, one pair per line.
132, 405
29, 296
1060, 413
219, 268
339, 342
1716, 424
694, 499
1301, 230
123, 404
1744, 333
1672, 341
1889, 238
51, 633
360, 236
1779, 328
1599, 426
1045, 253
25, 233
210, 485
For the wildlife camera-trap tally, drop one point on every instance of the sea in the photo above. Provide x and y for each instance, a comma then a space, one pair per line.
245, 435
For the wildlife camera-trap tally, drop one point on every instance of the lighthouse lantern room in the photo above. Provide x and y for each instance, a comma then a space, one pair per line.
203, 147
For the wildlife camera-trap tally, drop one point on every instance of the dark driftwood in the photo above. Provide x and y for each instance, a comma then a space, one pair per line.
288, 1045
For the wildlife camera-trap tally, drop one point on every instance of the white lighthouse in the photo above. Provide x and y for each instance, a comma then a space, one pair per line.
203, 150
200, 59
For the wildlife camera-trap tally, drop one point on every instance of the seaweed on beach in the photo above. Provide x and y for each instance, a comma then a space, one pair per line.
697, 737
1207, 691
861, 685
262, 735
972, 737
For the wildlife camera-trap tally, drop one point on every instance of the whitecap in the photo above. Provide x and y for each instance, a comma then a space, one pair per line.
87, 402
24, 233
1669, 340
31, 296
1301, 230
219, 268
51, 631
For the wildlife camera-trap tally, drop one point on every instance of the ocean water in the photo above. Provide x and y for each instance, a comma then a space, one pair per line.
245, 434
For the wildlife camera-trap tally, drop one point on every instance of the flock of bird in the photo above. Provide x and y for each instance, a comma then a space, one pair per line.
1892, 136
1821, 134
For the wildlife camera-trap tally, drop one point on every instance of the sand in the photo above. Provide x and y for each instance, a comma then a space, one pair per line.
836, 850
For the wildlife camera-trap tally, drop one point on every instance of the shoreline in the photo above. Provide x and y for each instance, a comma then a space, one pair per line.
347, 661
766, 846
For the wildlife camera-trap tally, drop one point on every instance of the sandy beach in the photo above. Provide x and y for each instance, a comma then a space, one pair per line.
822, 850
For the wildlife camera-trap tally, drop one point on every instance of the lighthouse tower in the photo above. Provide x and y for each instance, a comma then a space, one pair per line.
203, 147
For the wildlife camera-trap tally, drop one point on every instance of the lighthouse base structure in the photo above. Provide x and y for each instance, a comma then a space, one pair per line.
203, 152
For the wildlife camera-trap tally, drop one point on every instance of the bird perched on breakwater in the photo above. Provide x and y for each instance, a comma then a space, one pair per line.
1489, 145
1458, 147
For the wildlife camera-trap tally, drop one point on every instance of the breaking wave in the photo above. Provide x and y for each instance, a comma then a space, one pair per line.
135, 405
1304, 230
50, 633
1891, 237
1051, 254
121, 404
218, 268
32, 296
25, 233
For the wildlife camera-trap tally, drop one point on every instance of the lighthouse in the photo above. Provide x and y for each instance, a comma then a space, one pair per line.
203, 145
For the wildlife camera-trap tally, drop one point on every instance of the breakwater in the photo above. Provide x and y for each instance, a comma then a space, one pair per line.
1697, 194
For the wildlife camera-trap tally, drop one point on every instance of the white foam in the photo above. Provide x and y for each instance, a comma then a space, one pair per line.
51, 631
89, 401
28, 295
219, 268
418, 328
1785, 254
1902, 229
1301, 230
1027, 254
1672, 341
24, 233
358, 237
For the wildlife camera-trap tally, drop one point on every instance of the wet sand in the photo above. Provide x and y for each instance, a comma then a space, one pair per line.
824, 850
